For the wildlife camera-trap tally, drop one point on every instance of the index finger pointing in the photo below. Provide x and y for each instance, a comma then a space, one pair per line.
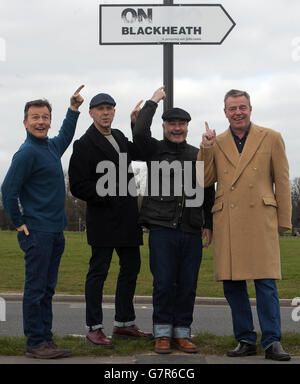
78, 90
206, 127
138, 104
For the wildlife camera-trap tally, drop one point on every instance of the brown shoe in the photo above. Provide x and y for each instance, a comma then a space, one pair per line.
44, 352
98, 338
55, 347
163, 345
185, 345
130, 332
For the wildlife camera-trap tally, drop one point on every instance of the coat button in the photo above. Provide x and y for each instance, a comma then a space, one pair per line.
225, 171
251, 186
232, 205
251, 205
232, 188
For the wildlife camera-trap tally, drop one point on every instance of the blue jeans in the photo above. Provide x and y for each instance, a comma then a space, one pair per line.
268, 311
175, 259
43, 252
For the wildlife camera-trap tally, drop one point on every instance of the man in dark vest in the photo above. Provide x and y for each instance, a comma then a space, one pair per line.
176, 227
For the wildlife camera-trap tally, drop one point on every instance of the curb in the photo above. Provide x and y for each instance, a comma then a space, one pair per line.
60, 298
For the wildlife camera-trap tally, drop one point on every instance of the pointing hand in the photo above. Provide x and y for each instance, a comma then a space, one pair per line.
134, 114
159, 94
208, 137
76, 99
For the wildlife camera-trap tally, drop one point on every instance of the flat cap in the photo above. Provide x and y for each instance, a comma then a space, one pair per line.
102, 98
176, 114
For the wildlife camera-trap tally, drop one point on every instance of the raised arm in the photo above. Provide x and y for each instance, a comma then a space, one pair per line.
206, 154
67, 131
141, 130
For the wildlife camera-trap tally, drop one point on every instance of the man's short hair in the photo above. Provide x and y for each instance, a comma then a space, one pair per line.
37, 103
237, 93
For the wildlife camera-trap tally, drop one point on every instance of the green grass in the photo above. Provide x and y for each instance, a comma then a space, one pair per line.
73, 269
207, 344
75, 264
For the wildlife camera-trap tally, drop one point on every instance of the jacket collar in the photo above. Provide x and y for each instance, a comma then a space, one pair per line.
176, 147
33, 139
101, 142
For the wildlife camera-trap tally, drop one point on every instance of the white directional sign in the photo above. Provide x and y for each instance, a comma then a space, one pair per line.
161, 24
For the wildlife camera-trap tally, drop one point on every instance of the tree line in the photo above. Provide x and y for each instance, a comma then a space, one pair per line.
75, 210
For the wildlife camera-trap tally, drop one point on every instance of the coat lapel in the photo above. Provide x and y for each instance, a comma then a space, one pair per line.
103, 144
253, 142
228, 147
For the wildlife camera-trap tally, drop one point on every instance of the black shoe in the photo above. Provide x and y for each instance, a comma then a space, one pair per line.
276, 352
243, 349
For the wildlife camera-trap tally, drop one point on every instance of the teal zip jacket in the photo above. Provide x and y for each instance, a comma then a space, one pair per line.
36, 180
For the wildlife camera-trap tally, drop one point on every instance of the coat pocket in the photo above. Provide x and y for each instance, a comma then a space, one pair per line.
160, 207
270, 201
217, 207
219, 193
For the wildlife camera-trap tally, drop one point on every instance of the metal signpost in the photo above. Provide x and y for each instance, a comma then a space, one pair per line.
166, 24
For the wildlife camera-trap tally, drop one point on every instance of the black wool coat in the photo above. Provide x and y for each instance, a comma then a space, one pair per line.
112, 221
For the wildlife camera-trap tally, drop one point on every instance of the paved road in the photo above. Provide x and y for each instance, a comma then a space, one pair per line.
69, 318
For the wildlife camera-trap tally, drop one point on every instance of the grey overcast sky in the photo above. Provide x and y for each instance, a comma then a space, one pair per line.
49, 48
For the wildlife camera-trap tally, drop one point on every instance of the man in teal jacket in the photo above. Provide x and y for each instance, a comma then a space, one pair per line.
35, 179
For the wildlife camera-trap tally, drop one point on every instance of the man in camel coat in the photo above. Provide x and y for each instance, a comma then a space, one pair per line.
252, 205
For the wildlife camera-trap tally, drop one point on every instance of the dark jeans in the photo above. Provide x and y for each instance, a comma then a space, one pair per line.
175, 259
130, 262
268, 310
43, 252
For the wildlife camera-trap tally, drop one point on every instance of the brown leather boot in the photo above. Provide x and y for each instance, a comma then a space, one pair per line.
130, 332
55, 347
163, 345
44, 352
97, 337
185, 345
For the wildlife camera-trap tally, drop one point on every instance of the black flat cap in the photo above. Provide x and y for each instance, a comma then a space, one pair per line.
102, 98
176, 114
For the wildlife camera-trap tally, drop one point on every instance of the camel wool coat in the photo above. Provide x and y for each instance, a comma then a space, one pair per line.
252, 199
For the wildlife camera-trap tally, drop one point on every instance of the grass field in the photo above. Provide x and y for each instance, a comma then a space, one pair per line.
75, 263
73, 269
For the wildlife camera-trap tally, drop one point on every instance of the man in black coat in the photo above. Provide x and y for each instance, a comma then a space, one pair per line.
177, 223
111, 217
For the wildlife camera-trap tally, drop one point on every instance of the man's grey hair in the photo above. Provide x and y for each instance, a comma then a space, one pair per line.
237, 93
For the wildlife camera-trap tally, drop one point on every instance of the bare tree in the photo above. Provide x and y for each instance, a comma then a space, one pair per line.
295, 191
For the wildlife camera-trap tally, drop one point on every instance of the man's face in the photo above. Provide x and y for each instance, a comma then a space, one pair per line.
103, 116
38, 121
175, 130
238, 112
